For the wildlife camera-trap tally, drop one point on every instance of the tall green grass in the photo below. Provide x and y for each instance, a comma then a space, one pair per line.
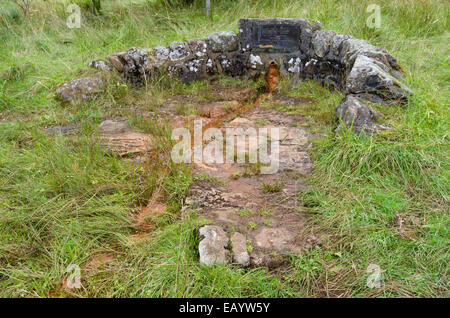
63, 199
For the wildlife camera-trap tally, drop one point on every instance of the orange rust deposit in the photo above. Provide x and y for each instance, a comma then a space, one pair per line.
272, 77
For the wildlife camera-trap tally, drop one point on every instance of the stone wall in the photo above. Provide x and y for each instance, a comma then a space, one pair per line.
355, 66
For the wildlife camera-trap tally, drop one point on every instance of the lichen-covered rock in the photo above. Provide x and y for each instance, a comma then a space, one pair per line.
352, 48
198, 47
225, 41
371, 76
356, 114
234, 63
212, 247
178, 51
294, 65
81, 90
161, 55
189, 70
335, 47
239, 248
113, 127
322, 41
135, 66
101, 65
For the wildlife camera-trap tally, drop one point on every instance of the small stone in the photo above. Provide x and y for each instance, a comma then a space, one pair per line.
239, 248
225, 41
212, 247
353, 112
135, 64
115, 61
100, 65
161, 55
81, 89
178, 51
198, 47
113, 127
120, 139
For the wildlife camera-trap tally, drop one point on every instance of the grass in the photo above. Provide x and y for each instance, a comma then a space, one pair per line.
272, 187
63, 198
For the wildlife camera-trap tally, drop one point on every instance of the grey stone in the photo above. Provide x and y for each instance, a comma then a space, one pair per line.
305, 41
336, 45
81, 90
225, 41
239, 248
322, 41
135, 66
192, 70
198, 47
100, 65
355, 113
352, 48
234, 63
370, 76
178, 51
161, 55
212, 247
113, 127
61, 129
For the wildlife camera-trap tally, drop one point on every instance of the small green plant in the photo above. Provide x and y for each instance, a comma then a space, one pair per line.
261, 122
118, 90
252, 225
265, 212
185, 109
245, 212
249, 246
267, 222
236, 175
272, 187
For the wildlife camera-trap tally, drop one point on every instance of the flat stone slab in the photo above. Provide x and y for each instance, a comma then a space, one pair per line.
119, 138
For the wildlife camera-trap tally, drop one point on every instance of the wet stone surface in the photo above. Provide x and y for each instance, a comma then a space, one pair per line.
262, 208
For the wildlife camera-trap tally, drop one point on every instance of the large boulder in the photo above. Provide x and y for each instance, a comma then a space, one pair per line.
371, 76
81, 90
225, 41
356, 114
212, 247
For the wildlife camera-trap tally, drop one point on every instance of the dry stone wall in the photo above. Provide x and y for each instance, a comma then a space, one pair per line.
299, 49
